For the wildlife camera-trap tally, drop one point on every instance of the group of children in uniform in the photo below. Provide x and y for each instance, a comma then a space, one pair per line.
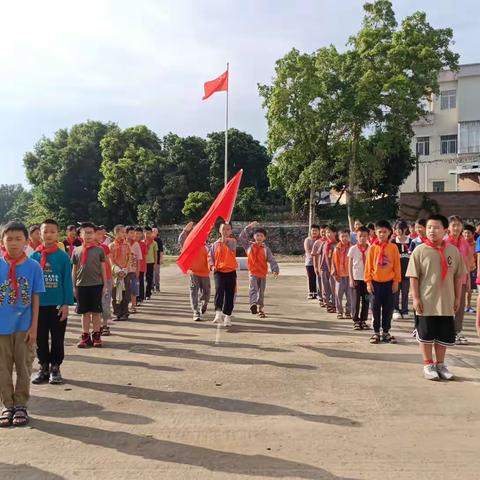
40, 278
376, 267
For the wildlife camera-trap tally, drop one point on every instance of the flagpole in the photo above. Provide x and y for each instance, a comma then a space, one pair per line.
226, 129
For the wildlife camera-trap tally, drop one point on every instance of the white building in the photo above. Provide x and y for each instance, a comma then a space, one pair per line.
447, 140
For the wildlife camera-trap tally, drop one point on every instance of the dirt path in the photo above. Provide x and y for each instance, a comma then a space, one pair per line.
298, 395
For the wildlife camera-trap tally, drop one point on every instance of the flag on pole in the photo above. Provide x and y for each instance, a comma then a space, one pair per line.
221, 207
220, 84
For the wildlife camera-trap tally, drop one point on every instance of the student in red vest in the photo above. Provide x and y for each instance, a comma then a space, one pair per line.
340, 275
199, 277
259, 256
223, 262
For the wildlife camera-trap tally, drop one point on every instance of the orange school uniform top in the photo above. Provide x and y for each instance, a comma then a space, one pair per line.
383, 268
199, 266
257, 261
223, 256
339, 259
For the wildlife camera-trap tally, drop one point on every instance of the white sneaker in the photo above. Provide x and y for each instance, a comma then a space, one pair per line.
227, 321
197, 317
443, 372
218, 317
396, 315
430, 372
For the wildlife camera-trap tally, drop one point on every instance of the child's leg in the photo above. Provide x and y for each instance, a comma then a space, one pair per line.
426, 349
339, 297
312, 279
460, 313
141, 288
204, 291
127, 293
57, 335
355, 296
194, 287
230, 286
396, 299
348, 295
387, 306
440, 352
252, 290
262, 284
156, 276
24, 355
365, 299
219, 290
332, 289
106, 303
43, 331
86, 320
149, 277
319, 287
376, 306
96, 321
405, 290
327, 292
468, 294
6, 370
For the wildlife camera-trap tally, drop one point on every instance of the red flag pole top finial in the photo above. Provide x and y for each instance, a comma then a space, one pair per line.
220, 84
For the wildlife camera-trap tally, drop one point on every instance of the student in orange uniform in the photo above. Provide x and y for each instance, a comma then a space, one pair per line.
259, 256
383, 274
223, 262
199, 277
340, 274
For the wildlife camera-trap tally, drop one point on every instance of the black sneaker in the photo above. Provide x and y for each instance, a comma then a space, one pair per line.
254, 309
42, 375
204, 308
55, 376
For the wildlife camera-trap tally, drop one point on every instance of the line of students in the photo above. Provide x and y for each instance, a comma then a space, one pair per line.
220, 257
369, 268
39, 278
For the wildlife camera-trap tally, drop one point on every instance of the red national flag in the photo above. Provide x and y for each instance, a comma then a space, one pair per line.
220, 84
221, 207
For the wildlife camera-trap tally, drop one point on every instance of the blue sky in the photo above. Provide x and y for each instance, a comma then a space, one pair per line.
145, 62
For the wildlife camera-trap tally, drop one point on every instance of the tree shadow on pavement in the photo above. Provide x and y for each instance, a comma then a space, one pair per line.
121, 363
183, 454
158, 350
26, 472
55, 407
222, 404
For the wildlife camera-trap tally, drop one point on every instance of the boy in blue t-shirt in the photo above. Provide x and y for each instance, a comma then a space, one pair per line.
21, 282
53, 313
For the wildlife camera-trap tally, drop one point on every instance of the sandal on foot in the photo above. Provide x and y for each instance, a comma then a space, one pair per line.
387, 338
348, 316
20, 417
331, 310
6, 417
262, 314
375, 338
364, 326
340, 316
357, 326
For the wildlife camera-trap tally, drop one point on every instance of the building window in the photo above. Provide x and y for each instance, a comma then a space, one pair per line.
438, 187
448, 144
469, 141
448, 99
423, 145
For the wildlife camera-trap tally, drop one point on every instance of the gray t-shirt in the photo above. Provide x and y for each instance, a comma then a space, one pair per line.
89, 274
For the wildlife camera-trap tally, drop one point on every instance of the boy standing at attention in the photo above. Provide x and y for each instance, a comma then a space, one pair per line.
53, 312
133, 275
90, 281
316, 250
71, 241
403, 244
156, 276
420, 232
468, 232
382, 276
142, 264
21, 282
436, 271
328, 282
259, 256
120, 255
357, 256
340, 274
311, 276
107, 294
223, 262
150, 260
34, 240
199, 277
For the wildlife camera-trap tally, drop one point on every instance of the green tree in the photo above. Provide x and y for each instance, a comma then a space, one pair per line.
65, 172
9, 195
196, 205
248, 205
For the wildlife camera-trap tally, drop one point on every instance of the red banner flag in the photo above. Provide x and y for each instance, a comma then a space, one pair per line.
221, 207
220, 84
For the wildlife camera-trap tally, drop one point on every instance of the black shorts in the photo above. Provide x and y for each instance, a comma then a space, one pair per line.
439, 330
89, 299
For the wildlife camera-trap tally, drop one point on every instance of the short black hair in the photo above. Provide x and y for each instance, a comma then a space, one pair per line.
439, 218
345, 230
469, 227
15, 227
139, 229
363, 228
33, 228
383, 224
148, 229
50, 221
260, 230
323, 226
421, 221
455, 218
371, 226
71, 227
129, 228
85, 225
102, 227
401, 225
315, 225
332, 228
118, 227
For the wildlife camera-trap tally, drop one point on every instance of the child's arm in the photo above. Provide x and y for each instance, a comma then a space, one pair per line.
244, 236
67, 287
184, 234
350, 272
74, 278
368, 269
31, 337
104, 277
273, 263
306, 247
397, 270
417, 302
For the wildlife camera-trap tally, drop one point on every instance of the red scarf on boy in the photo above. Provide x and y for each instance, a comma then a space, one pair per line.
71, 245
12, 273
45, 251
383, 246
363, 251
85, 249
441, 251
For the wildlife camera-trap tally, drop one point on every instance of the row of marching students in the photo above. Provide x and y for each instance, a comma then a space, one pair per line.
220, 257
370, 268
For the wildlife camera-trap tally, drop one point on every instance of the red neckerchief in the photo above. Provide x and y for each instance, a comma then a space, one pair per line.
12, 274
118, 247
70, 245
45, 251
363, 251
343, 249
454, 241
441, 251
329, 244
423, 239
383, 246
373, 240
86, 248
32, 245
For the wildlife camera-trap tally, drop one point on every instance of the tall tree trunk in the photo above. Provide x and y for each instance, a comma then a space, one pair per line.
311, 207
351, 174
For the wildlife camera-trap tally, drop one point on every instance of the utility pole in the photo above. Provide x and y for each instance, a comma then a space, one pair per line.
417, 172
